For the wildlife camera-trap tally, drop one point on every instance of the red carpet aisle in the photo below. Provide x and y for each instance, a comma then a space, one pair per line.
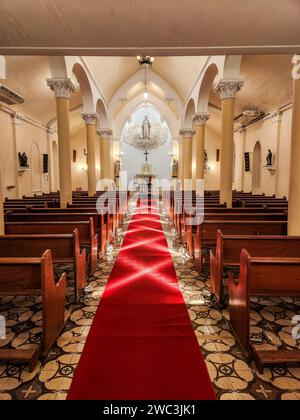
141, 344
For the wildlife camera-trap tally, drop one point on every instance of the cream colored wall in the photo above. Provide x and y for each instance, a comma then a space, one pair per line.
16, 138
79, 176
284, 154
212, 175
265, 131
7, 156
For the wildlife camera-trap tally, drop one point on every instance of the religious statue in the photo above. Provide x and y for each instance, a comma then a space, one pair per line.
205, 159
117, 168
146, 128
270, 158
23, 160
175, 168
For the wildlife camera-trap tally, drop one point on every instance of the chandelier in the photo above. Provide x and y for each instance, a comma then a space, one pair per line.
133, 136
145, 63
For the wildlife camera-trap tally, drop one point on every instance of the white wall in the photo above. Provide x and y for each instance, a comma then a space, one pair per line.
133, 159
265, 131
212, 175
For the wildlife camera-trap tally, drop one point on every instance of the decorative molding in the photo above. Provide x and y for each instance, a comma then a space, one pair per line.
105, 134
16, 119
228, 89
90, 118
187, 132
276, 116
201, 118
62, 88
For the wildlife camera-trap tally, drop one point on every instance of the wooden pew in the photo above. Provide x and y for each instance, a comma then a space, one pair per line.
64, 249
272, 276
87, 236
228, 251
206, 234
34, 277
64, 217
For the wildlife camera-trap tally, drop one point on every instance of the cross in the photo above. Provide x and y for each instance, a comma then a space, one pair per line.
28, 391
264, 391
146, 155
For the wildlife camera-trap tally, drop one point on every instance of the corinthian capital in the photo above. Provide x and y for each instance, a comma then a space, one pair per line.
229, 88
105, 133
187, 132
89, 118
201, 118
62, 88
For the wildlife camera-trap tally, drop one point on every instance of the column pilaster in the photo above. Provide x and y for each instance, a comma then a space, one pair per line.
63, 89
294, 189
90, 120
227, 90
187, 151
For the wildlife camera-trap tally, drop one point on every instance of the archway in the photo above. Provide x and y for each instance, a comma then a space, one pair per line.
36, 170
256, 171
55, 166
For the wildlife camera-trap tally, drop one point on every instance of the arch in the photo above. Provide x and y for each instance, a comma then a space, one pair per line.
55, 166
189, 113
101, 111
206, 87
256, 171
85, 88
124, 114
36, 169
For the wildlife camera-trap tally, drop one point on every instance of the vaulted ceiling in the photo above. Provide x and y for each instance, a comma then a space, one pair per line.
268, 82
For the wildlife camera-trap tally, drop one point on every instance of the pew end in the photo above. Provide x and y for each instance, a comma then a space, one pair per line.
26, 356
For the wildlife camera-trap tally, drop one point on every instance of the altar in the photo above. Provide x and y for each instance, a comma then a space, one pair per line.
143, 180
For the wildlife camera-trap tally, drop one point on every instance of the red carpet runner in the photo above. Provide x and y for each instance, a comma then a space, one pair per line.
141, 345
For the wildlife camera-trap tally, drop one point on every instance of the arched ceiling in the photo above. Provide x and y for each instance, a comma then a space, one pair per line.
268, 82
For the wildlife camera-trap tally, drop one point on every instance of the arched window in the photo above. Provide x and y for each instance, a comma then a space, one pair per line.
256, 172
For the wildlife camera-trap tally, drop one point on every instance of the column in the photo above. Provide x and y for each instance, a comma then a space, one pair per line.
200, 120
243, 133
277, 118
294, 191
91, 121
1, 203
187, 151
227, 89
105, 137
63, 89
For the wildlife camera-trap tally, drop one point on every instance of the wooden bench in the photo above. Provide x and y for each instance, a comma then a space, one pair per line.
62, 216
35, 277
206, 235
261, 277
87, 236
228, 251
65, 249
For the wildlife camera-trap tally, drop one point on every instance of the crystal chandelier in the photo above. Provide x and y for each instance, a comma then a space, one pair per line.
159, 136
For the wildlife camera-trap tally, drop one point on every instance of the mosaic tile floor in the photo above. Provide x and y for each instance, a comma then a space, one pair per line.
232, 376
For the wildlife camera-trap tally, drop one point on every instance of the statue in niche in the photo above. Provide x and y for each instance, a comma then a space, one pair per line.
146, 128
175, 168
23, 160
205, 159
117, 168
270, 158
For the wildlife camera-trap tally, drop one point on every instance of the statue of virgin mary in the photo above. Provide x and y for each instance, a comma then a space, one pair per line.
146, 128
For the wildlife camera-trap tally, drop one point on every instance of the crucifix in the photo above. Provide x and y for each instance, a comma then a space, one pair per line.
146, 155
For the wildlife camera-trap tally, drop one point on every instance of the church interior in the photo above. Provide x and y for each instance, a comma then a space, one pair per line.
149, 200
